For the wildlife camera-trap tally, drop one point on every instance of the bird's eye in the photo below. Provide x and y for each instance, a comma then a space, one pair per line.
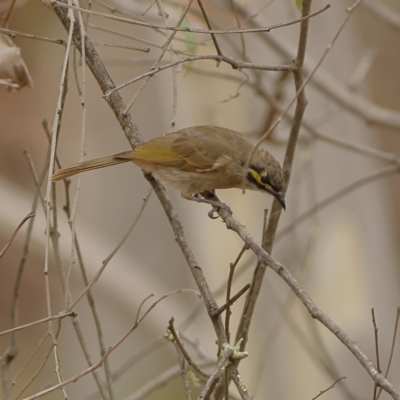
265, 178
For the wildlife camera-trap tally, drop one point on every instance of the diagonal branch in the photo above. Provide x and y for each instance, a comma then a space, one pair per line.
131, 132
311, 307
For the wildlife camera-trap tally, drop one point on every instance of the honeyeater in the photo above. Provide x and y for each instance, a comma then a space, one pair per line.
198, 159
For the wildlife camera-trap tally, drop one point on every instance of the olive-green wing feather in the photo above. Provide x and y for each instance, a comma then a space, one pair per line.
199, 148
205, 148
155, 151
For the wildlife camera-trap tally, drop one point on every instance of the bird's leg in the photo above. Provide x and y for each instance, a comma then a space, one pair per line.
209, 197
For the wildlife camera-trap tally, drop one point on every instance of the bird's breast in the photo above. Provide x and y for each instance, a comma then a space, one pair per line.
192, 182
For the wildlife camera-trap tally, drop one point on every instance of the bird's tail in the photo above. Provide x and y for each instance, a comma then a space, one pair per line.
87, 166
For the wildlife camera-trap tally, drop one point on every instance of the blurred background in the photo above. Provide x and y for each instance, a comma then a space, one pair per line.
346, 256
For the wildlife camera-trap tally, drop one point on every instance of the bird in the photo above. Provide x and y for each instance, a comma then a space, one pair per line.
198, 160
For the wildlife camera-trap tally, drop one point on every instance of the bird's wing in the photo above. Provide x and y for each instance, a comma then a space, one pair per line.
200, 148
156, 151
206, 148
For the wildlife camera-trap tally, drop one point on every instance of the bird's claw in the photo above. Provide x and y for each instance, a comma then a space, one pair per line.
211, 213
216, 208
209, 197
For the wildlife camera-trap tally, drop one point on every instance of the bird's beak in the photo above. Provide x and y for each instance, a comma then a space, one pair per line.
279, 196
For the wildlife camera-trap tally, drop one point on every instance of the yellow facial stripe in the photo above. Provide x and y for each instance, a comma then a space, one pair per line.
258, 177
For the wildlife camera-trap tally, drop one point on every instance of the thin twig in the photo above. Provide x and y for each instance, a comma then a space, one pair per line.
301, 83
197, 272
132, 134
182, 357
236, 64
116, 249
49, 229
178, 342
214, 39
90, 298
39, 321
232, 300
371, 113
122, 46
311, 307
7, 17
122, 34
41, 366
181, 29
329, 388
12, 351
239, 25
26, 218
184, 375
306, 124
161, 380
122, 369
376, 350
217, 372
396, 325
241, 387
378, 363
135, 358
166, 45
138, 320
232, 267
269, 233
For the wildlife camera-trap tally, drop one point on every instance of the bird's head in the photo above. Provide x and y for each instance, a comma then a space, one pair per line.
266, 175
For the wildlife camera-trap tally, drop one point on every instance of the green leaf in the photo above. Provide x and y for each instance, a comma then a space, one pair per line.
191, 44
299, 5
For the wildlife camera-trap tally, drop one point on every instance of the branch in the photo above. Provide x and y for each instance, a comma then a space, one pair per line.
370, 112
132, 134
40, 321
178, 342
92, 368
311, 307
26, 218
185, 29
236, 64
269, 233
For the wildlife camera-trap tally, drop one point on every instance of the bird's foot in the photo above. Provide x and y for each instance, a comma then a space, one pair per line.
209, 197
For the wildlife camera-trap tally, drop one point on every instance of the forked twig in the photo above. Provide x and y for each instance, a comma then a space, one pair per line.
178, 342
95, 366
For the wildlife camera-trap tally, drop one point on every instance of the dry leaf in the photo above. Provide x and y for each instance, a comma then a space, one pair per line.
14, 73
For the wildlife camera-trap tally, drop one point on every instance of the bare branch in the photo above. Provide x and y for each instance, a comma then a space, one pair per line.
311, 307
26, 218
240, 293
40, 321
179, 29
110, 350
178, 342
329, 388
216, 374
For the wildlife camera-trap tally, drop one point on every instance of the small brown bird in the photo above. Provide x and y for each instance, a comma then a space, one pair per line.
197, 160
